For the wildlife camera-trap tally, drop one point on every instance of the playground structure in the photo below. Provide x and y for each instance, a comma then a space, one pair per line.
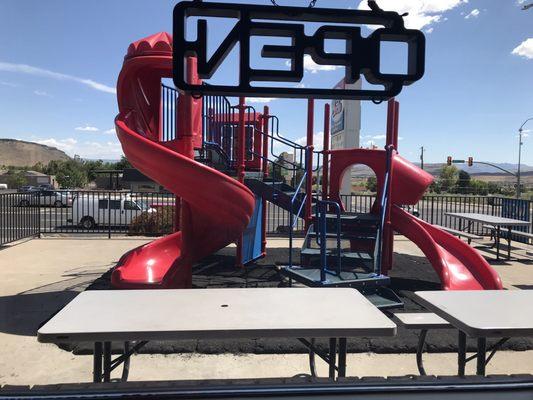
218, 165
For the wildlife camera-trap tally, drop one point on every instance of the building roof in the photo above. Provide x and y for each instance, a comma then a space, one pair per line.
134, 175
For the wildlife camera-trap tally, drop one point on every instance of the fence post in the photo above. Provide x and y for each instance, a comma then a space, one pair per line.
109, 215
39, 220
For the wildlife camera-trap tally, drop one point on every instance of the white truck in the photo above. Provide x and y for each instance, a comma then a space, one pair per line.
89, 211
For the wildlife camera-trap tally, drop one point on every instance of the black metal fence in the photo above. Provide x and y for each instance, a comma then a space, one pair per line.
17, 222
117, 213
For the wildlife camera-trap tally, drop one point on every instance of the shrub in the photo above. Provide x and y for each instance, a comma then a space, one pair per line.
160, 222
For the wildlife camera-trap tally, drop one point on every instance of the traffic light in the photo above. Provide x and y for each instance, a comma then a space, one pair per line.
470, 161
449, 161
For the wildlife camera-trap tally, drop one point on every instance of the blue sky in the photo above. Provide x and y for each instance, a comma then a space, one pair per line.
59, 61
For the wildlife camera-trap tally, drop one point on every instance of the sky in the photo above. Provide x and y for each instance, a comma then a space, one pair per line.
60, 59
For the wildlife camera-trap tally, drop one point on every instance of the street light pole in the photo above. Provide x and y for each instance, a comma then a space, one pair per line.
520, 144
422, 157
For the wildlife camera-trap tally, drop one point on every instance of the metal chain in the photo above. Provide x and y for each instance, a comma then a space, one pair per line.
311, 4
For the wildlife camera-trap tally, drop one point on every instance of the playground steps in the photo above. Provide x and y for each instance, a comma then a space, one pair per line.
277, 193
215, 157
351, 265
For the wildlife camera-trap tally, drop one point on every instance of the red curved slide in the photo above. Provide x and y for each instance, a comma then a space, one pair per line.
459, 266
215, 208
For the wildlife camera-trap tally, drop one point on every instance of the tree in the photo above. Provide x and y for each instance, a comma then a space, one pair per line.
463, 183
479, 188
122, 164
16, 178
448, 178
71, 174
372, 184
91, 167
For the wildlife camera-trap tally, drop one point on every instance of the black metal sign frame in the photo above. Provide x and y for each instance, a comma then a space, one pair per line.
362, 55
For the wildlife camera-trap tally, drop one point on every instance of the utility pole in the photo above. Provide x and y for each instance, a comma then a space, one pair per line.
520, 144
422, 157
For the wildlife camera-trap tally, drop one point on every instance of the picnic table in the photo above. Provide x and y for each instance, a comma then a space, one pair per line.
497, 222
138, 316
482, 314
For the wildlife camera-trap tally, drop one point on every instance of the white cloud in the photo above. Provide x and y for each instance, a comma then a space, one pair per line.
67, 145
524, 49
422, 13
9, 84
472, 14
300, 85
429, 30
258, 100
29, 70
87, 128
318, 141
91, 150
313, 67
111, 131
41, 93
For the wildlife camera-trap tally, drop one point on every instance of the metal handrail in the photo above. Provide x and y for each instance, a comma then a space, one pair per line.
292, 219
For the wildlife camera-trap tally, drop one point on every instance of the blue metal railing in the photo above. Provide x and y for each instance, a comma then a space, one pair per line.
294, 218
322, 236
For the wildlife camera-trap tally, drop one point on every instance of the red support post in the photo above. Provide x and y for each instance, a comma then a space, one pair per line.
309, 161
393, 117
184, 109
266, 116
241, 144
396, 124
391, 110
325, 167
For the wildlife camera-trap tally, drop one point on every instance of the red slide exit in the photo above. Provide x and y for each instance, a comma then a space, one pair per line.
215, 208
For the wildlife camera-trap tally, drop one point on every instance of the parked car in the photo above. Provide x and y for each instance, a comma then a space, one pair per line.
89, 211
28, 189
46, 198
3, 186
46, 186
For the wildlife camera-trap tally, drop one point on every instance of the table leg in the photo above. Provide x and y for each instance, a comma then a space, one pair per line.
107, 361
461, 354
97, 362
498, 231
420, 351
343, 349
332, 357
481, 354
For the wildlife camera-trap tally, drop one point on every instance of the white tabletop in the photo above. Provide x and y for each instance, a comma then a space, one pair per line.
216, 314
483, 313
489, 219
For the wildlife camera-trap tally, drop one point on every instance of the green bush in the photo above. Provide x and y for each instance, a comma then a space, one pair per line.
156, 223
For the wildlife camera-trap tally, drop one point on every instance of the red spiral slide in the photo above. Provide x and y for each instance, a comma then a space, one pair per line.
215, 209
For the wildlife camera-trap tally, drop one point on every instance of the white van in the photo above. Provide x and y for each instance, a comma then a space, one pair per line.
3, 186
90, 210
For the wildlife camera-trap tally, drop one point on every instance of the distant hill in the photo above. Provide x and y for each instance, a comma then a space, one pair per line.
19, 153
477, 170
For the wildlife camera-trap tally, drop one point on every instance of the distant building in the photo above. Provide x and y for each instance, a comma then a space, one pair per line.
32, 178
137, 182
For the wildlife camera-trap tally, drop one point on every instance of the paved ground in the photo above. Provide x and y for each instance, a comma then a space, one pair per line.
40, 276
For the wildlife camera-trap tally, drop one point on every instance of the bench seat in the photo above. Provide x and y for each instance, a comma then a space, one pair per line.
425, 320
460, 233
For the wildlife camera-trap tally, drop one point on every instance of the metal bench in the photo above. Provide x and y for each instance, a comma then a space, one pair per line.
468, 235
423, 321
492, 230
